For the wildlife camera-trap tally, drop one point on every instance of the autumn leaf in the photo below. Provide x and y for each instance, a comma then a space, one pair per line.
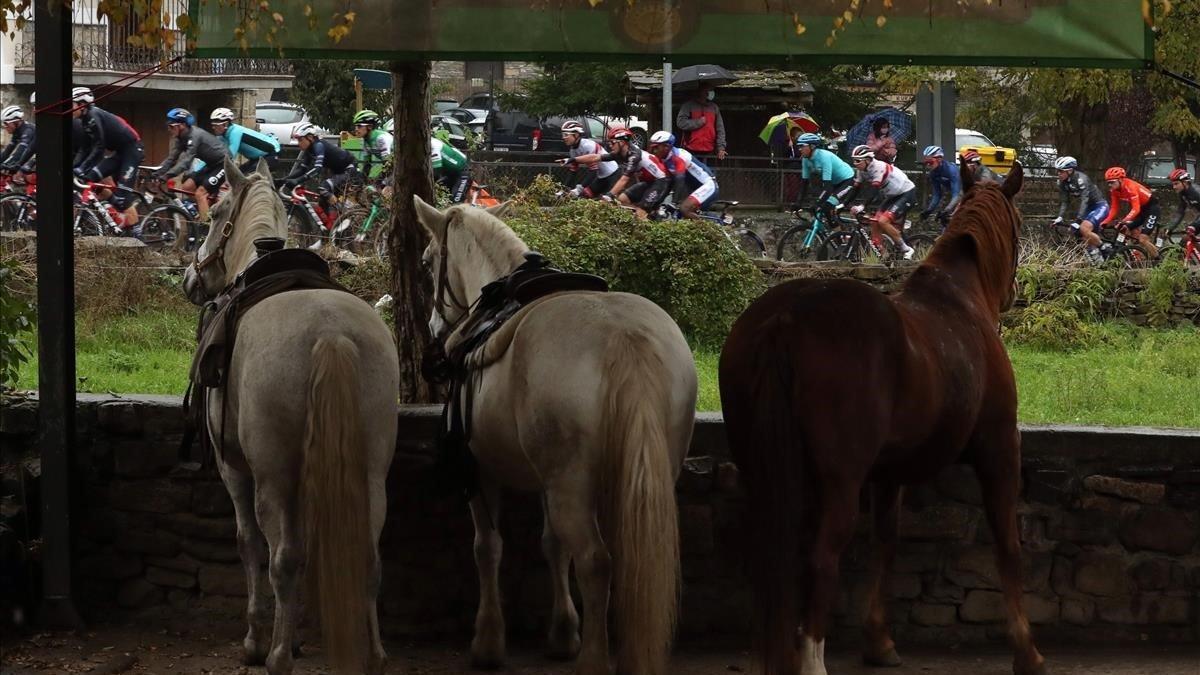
278, 18
880, 20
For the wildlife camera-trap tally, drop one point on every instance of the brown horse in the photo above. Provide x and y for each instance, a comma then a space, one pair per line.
827, 385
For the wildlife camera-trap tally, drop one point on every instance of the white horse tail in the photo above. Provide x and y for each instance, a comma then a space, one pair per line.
334, 498
641, 518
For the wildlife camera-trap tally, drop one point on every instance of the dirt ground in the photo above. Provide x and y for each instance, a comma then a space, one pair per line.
190, 643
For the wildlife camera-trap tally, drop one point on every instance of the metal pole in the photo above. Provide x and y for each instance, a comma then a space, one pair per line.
56, 309
668, 121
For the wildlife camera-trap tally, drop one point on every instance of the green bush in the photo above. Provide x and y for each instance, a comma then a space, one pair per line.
1163, 283
688, 268
1048, 325
17, 316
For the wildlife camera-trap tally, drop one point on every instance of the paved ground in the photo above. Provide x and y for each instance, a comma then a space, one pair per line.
182, 643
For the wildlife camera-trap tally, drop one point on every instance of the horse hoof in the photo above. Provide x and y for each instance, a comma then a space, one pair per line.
1039, 669
253, 655
888, 659
563, 649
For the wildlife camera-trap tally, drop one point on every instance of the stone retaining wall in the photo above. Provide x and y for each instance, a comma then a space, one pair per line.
1109, 520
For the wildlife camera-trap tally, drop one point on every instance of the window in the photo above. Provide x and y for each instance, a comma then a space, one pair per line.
275, 115
483, 70
975, 140
595, 127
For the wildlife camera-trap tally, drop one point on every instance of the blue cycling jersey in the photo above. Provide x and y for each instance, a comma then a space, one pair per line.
249, 143
944, 178
829, 166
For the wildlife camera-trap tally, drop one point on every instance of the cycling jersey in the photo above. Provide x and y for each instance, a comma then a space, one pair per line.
886, 178
827, 165
693, 180
446, 157
652, 175
20, 147
192, 145
944, 178
1089, 194
1131, 191
587, 146
105, 131
1189, 197
318, 157
377, 144
248, 143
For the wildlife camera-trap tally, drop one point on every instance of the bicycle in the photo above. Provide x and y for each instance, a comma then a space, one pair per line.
18, 207
1115, 244
1188, 251
745, 239
95, 217
178, 220
802, 241
365, 228
857, 245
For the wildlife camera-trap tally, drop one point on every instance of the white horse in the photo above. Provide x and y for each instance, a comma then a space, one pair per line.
308, 439
588, 398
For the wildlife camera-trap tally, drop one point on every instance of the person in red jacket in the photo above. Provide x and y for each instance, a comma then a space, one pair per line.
700, 121
1144, 209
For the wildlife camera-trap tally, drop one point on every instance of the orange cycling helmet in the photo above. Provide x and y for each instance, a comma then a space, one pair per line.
1114, 173
621, 134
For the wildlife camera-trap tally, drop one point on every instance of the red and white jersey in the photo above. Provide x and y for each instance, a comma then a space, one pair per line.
587, 146
886, 178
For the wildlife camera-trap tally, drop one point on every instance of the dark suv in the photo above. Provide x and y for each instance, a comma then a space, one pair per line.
517, 131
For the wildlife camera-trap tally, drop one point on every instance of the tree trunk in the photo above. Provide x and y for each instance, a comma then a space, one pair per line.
412, 175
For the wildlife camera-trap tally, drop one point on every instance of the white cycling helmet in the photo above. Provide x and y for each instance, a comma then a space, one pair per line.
221, 115
862, 152
82, 95
1065, 163
663, 138
11, 114
305, 129
572, 127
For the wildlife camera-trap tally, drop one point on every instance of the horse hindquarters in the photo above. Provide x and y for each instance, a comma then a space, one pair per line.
334, 496
642, 516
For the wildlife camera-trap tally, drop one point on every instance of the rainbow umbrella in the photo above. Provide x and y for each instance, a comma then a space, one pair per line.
778, 129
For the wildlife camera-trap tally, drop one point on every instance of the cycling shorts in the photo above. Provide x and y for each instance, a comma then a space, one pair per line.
899, 205
704, 195
211, 178
1097, 215
594, 185
121, 166
836, 194
647, 196
1147, 220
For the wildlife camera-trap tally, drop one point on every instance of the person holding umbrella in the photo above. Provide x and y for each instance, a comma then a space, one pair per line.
700, 120
880, 140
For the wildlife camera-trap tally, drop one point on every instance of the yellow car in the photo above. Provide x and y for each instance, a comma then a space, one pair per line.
994, 157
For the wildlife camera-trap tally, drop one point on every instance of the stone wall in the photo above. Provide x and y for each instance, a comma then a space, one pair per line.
1109, 520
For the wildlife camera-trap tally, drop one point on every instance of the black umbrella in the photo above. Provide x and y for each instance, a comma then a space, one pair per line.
694, 76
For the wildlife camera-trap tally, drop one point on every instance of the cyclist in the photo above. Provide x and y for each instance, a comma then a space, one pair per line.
193, 147
239, 140
316, 158
979, 170
1144, 209
943, 178
105, 132
450, 169
1093, 209
1189, 195
895, 189
695, 186
596, 179
22, 141
837, 177
649, 177
377, 143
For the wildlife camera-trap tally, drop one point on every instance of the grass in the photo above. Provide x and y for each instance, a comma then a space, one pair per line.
1128, 376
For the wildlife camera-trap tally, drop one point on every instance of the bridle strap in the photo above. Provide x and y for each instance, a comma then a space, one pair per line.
219, 254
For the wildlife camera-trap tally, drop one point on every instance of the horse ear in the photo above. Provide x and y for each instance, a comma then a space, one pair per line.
968, 176
233, 174
433, 220
263, 169
500, 210
1014, 181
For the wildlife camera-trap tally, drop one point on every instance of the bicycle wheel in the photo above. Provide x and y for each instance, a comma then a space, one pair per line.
347, 226
17, 212
1133, 256
167, 224
839, 245
748, 241
302, 232
1164, 237
922, 243
87, 223
794, 246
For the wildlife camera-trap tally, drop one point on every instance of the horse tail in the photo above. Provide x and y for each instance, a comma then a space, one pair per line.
641, 516
334, 498
758, 398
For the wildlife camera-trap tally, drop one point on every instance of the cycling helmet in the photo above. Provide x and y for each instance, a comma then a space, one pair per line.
305, 129
809, 139
1177, 174
1114, 173
933, 151
621, 134
11, 114
82, 95
572, 127
1065, 163
663, 138
221, 115
366, 117
972, 157
180, 116
861, 152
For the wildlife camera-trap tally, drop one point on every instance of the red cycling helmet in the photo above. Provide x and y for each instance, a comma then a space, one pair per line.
1180, 175
970, 156
621, 134
1114, 173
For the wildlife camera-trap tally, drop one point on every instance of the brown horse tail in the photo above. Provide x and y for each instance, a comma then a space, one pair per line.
641, 517
334, 499
758, 399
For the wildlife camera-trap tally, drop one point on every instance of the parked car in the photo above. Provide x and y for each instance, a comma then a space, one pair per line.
443, 104
520, 132
998, 159
279, 119
452, 131
475, 120
1155, 168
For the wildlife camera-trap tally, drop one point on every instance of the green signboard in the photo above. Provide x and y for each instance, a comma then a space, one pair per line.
1092, 33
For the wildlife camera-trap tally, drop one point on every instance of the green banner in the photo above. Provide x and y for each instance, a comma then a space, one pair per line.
1063, 33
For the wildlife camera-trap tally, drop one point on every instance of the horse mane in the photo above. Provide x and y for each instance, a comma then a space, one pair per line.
494, 240
986, 226
260, 214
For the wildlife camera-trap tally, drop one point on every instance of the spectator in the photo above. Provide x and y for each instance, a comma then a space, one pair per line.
700, 121
880, 140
